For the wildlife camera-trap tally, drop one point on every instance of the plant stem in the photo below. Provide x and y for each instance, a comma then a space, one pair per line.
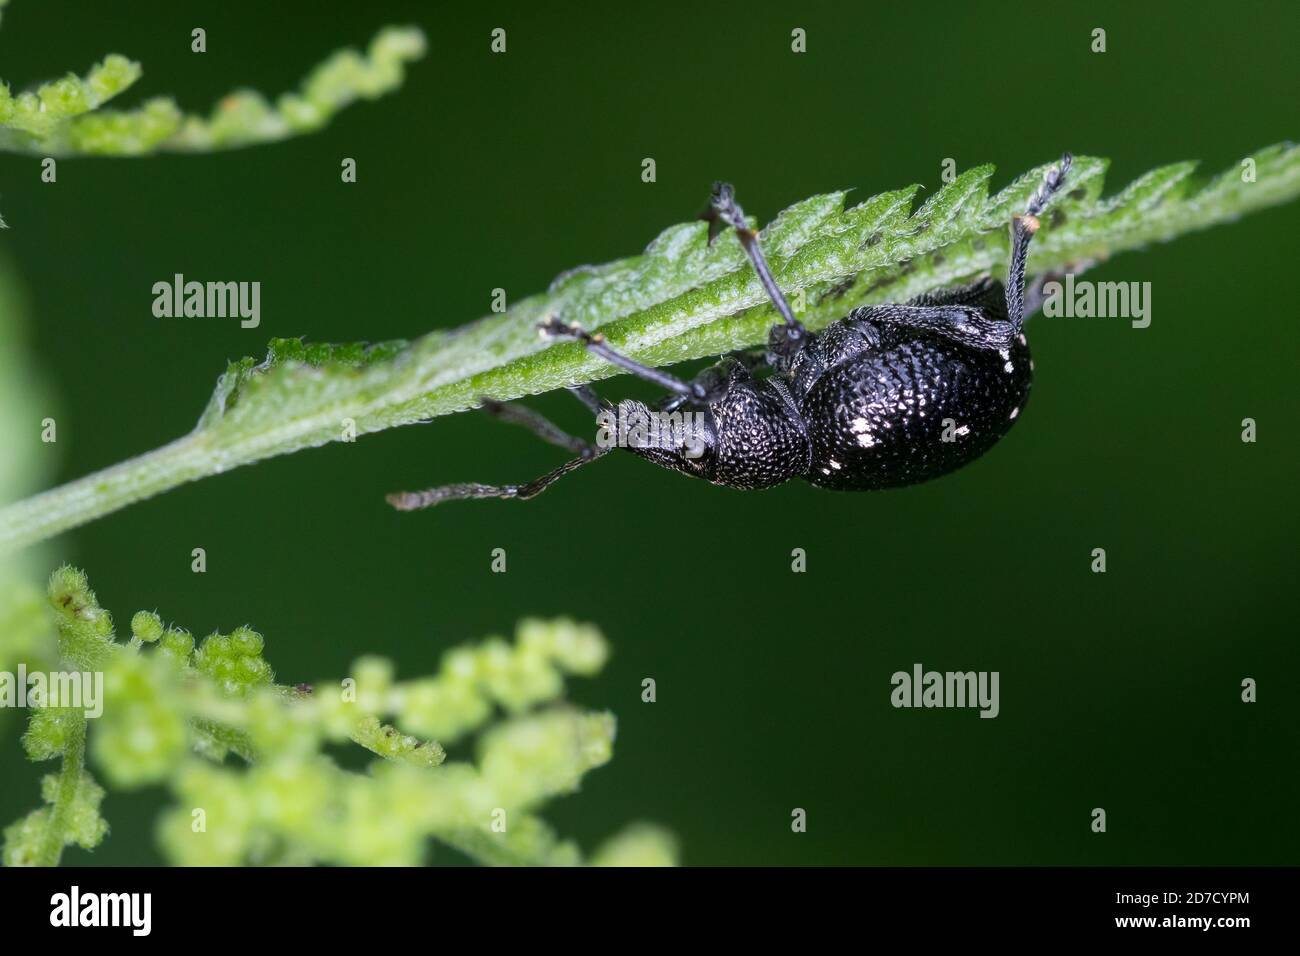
74, 758
68, 506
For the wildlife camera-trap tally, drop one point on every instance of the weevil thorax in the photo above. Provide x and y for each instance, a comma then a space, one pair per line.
747, 434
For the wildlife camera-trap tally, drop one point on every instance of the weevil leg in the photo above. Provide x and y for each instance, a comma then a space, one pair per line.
1022, 231
786, 340
984, 314
966, 324
416, 500
985, 293
724, 211
536, 423
595, 343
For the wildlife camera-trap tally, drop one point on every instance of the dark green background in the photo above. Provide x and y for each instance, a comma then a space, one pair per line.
1118, 690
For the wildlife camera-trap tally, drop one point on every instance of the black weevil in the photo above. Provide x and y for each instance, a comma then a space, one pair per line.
889, 395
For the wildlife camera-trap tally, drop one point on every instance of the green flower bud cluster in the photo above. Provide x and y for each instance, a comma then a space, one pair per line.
235, 662
146, 627
177, 646
47, 733
143, 734
473, 679
80, 823
85, 629
173, 713
304, 808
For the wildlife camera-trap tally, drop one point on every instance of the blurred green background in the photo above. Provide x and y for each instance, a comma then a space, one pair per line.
1118, 690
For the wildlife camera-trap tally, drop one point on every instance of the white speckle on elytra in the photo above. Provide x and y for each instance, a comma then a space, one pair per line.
1015, 411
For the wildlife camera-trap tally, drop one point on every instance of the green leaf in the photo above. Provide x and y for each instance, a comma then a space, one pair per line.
681, 299
64, 118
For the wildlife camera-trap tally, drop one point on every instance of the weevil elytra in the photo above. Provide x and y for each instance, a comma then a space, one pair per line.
889, 395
